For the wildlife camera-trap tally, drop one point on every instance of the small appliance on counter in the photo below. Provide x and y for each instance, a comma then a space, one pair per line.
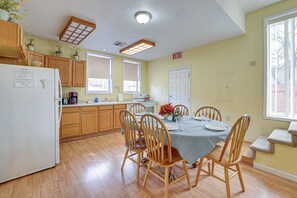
73, 97
150, 106
120, 97
65, 101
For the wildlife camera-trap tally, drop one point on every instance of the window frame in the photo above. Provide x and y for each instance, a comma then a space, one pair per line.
138, 84
266, 22
110, 91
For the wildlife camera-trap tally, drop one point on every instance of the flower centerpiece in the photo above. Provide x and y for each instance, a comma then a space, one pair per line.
10, 10
166, 110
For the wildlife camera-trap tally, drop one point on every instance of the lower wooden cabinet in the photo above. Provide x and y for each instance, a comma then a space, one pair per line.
105, 118
116, 115
89, 120
81, 121
71, 122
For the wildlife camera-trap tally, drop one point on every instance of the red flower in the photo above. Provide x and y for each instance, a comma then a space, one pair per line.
166, 109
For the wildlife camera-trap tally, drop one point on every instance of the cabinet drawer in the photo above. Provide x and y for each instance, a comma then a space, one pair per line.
70, 109
120, 106
93, 108
70, 131
70, 118
107, 107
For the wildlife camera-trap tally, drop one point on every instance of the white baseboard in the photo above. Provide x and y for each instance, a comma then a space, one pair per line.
275, 172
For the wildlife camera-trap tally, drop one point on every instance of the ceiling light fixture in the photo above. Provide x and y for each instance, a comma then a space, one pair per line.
137, 47
77, 30
143, 17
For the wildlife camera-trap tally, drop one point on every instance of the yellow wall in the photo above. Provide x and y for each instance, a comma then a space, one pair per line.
231, 55
49, 48
284, 159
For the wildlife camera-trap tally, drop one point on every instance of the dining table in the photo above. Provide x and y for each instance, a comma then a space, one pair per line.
195, 137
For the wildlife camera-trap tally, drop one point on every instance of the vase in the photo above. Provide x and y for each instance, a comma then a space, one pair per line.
4, 15
31, 47
76, 57
59, 53
166, 116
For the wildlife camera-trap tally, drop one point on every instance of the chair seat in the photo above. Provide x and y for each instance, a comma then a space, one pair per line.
175, 157
137, 145
215, 155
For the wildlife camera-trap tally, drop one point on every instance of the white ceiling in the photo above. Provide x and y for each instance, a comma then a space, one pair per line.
175, 26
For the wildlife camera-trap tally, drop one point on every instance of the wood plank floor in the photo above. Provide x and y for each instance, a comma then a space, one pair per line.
91, 168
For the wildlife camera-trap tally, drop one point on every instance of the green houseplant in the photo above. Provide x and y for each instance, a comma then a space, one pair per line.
10, 10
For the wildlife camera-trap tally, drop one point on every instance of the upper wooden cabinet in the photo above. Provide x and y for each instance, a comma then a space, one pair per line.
65, 68
35, 56
79, 74
12, 44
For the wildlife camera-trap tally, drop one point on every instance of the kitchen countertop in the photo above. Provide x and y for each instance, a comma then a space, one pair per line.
82, 104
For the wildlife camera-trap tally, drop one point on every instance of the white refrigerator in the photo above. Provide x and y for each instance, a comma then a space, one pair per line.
30, 117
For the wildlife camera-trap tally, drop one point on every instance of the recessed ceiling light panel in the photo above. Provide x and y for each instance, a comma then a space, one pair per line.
77, 28
137, 47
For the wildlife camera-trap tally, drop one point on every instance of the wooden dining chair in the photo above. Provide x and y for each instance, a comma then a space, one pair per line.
209, 112
134, 140
229, 155
182, 109
137, 108
160, 152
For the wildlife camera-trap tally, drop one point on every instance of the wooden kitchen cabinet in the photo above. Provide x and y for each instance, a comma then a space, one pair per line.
79, 74
71, 122
35, 56
116, 115
105, 118
89, 117
65, 68
12, 43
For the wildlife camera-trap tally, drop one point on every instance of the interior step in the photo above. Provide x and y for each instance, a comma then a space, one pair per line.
281, 136
261, 144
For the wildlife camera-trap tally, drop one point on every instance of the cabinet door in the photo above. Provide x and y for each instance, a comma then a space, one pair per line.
116, 115
35, 56
89, 120
106, 120
65, 68
71, 122
79, 74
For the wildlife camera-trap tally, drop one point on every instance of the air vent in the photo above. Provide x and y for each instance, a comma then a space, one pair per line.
119, 43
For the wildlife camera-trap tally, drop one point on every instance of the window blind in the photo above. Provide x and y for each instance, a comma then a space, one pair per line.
130, 71
98, 67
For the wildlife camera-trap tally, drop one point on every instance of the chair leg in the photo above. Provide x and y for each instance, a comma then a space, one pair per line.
199, 171
124, 160
187, 174
227, 181
208, 166
138, 167
166, 181
147, 172
240, 177
212, 167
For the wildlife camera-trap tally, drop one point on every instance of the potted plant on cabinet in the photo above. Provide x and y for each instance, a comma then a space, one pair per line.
10, 10
30, 44
76, 50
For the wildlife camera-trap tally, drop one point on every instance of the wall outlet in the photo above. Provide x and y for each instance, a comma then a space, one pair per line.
253, 63
228, 118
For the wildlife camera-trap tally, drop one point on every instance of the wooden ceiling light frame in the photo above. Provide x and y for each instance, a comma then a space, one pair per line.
137, 47
77, 30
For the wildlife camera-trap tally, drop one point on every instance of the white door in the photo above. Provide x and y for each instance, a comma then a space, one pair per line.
179, 86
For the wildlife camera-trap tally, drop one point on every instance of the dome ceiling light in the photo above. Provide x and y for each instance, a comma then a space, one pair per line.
143, 17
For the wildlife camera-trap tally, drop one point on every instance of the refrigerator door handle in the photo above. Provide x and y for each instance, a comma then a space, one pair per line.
60, 98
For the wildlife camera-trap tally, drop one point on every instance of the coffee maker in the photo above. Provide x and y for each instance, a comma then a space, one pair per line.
73, 97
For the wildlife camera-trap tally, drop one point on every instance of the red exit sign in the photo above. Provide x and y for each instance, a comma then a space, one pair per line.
176, 55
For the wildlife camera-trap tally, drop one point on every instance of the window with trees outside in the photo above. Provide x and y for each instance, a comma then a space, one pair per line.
131, 76
99, 73
280, 66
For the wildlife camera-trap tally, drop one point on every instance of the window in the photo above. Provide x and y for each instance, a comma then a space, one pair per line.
131, 76
280, 66
99, 73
